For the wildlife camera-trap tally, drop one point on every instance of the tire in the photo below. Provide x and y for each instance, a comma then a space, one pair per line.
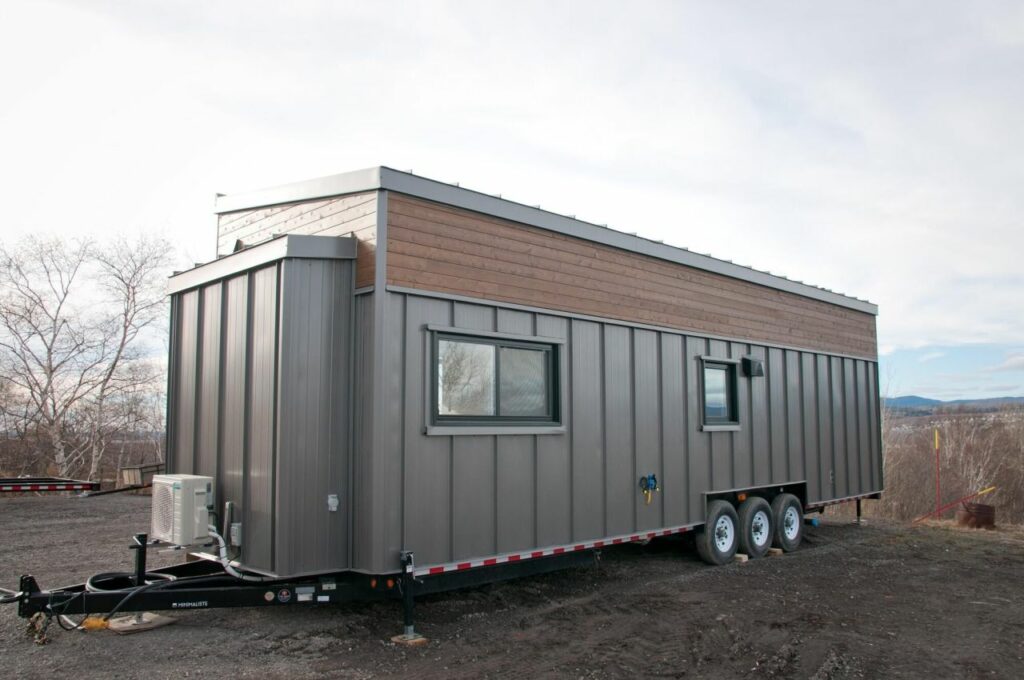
788, 516
718, 539
757, 527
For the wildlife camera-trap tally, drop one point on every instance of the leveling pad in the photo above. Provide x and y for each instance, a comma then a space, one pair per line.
137, 623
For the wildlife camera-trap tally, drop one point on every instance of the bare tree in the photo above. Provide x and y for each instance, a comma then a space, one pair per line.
68, 349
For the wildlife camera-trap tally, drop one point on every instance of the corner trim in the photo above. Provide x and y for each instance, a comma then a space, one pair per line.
721, 428
295, 246
452, 330
503, 430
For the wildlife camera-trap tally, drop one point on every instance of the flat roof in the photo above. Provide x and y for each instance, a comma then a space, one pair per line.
293, 246
388, 179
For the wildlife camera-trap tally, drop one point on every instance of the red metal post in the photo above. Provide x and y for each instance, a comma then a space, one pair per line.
938, 495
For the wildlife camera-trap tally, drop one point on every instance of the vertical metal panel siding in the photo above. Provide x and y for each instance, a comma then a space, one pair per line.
632, 407
260, 401
826, 443
797, 467
759, 433
775, 375
473, 511
673, 431
312, 452
742, 463
364, 547
428, 497
809, 407
553, 516
235, 374
515, 466
586, 485
721, 473
863, 426
647, 417
698, 477
259, 493
619, 468
185, 382
209, 399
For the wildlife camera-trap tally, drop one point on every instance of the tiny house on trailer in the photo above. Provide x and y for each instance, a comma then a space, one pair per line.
381, 365
463, 377
386, 386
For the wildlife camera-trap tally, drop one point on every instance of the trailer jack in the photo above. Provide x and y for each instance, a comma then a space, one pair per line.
409, 635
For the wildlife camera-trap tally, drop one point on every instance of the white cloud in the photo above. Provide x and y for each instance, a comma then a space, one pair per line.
930, 356
869, 149
1013, 362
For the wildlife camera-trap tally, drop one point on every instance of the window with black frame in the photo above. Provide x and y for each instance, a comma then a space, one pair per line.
720, 394
489, 380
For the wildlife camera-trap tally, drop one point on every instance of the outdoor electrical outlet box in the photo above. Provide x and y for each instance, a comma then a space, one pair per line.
236, 533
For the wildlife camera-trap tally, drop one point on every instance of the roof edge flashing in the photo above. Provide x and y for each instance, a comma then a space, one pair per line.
288, 246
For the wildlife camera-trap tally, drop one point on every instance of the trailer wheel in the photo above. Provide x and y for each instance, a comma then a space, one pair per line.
789, 521
717, 539
756, 526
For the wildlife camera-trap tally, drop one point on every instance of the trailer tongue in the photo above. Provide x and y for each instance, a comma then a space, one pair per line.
203, 582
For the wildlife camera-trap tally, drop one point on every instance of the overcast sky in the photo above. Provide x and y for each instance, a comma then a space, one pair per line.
872, 148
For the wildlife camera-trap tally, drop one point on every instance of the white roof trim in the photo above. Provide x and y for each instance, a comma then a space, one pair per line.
383, 178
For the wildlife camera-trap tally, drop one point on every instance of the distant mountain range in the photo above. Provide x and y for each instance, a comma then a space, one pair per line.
913, 402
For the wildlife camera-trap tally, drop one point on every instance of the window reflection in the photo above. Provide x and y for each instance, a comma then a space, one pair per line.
465, 382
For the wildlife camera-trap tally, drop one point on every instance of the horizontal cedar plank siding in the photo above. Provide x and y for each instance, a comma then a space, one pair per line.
450, 250
355, 214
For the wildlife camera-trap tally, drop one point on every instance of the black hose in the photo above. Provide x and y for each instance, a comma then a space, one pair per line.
118, 581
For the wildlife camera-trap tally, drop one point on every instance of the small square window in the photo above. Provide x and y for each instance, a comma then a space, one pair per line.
480, 381
719, 392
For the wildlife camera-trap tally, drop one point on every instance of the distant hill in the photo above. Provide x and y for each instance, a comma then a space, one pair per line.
911, 401
915, 403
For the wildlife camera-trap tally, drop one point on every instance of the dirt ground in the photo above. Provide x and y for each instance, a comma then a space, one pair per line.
880, 600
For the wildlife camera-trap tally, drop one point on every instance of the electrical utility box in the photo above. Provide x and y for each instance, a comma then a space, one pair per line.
180, 512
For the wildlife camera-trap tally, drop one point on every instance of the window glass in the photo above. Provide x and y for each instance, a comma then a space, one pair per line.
523, 390
465, 379
716, 398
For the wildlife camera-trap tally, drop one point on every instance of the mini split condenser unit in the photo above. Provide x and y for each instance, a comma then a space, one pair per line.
180, 512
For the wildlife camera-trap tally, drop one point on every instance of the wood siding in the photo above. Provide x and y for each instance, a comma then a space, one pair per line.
355, 214
450, 250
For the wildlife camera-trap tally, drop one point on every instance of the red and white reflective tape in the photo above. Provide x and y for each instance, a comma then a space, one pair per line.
434, 569
46, 487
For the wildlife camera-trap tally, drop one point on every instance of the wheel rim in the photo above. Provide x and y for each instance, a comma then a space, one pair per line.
791, 523
760, 528
724, 532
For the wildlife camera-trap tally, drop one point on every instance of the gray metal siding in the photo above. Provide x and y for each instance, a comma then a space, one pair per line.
553, 515
184, 418
260, 400
632, 407
208, 425
312, 451
259, 491
585, 484
361, 483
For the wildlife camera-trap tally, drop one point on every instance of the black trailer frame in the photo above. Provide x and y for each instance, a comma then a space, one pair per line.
203, 583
